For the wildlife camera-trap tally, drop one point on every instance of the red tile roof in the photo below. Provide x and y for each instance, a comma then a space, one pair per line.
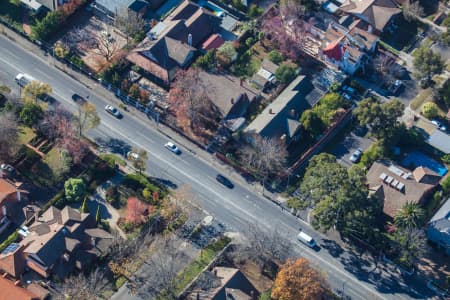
10, 291
213, 42
333, 50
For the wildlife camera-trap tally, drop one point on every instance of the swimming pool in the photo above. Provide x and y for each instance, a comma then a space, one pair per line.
216, 10
419, 159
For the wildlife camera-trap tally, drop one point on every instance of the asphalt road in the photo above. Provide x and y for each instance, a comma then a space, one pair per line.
236, 208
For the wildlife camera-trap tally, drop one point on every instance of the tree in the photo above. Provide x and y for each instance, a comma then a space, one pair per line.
265, 155
129, 22
312, 123
9, 137
140, 163
297, 280
34, 89
207, 61
409, 216
84, 287
412, 10
285, 73
31, 113
444, 92
84, 208
427, 63
410, 244
43, 28
430, 110
227, 53
86, 118
107, 46
137, 211
75, 189
380, 117
254, 11
275, 57
81, 38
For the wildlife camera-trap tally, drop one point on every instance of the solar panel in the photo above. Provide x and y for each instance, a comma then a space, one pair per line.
11, 248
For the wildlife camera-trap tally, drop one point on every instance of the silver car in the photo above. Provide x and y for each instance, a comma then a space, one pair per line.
113, 111
354, 158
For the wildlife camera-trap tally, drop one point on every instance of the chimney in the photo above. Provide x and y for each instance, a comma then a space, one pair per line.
17, 283
5, 275
215, 272
190, 39
232, 100
270, 111
93, 241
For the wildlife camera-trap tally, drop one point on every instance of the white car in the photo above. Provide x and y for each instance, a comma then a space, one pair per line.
114, 111
172, 147
7, 168
132, 155
439, 125
356, 155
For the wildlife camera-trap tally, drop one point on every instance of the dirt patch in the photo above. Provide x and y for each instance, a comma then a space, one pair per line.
254, 274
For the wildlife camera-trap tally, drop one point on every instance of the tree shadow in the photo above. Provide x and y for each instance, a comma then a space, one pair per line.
114, 145
332, 247
165, 182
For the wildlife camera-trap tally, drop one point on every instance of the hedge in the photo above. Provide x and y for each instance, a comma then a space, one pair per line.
11, 239
138, 181
57, 199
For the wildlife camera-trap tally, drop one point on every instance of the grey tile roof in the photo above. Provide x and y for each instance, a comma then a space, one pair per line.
440, 141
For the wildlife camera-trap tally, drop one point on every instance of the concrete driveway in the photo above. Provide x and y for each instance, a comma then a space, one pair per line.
354, 140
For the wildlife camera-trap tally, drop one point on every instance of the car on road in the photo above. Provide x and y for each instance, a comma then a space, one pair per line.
356, 155
225, 181
78, 99
132, 155
306, 239
7, 168
113, 111
439, 125
172, 147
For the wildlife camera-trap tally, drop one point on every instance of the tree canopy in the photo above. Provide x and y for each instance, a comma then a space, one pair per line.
297, 280
427, 63
285, 73
74, 188
409, 216
31, 113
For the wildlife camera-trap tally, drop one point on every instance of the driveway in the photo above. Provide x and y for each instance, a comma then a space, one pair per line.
354, 140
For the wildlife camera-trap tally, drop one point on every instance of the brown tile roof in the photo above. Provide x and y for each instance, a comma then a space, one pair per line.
38, 290
148, 65
376, 12
394, 199
13, 262
9, 291
6, 188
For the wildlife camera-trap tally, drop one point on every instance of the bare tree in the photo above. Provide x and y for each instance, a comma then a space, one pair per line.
265, 155
9, 138
86, 118
129, 22
412, 10
107, 46
81, 38
84, 287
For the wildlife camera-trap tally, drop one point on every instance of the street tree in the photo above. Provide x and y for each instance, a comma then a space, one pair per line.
31, 113
427, 63
74, 189
264, 155
409, 216
380, 117
298, 280
140, 162
86, 118
9, 137
412, 10
410, 244
34, 89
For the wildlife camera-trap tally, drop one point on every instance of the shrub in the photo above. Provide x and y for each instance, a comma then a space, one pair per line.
57, 199
275, 57
446, 158
285, 73
31, 113
372, 154
430, 110
140, 182
11, 239
446, 185
254, 11
74, 188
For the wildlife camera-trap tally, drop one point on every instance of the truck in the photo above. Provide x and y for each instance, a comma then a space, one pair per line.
23, 79
306, 239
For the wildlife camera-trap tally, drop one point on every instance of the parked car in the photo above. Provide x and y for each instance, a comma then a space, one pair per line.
356, 155
225, 181
132, 155
172, 147
7, 168
439, 125
78, 99
349, 90
113, 111
395, 86
306, 239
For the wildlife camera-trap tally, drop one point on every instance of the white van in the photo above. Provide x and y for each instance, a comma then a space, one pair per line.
23, 79
306, 239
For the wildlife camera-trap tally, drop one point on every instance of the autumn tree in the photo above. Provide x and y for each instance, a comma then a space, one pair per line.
137, 211
86, 118
34, 89
297, 280
9, 137
191, 102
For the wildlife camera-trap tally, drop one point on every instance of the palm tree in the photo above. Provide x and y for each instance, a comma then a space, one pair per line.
409, 216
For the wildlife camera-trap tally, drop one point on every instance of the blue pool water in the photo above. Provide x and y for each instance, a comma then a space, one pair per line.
217, 11
420, 159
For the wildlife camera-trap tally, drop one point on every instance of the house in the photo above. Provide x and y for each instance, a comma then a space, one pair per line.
438, 229
232, 284
55, 243
265, 74
12, 290
395, 186
10, 195
108, 9
37, 5
376, 13
348, 49
440, 141
280, 119
171, 44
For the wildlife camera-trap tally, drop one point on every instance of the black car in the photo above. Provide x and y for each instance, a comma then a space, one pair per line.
225, 181
78, 99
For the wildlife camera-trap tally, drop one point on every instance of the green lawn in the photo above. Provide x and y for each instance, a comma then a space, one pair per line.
113, 158
193, 269
26, 134
421, 98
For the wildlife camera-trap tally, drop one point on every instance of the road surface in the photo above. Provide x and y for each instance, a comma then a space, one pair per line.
236, 208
